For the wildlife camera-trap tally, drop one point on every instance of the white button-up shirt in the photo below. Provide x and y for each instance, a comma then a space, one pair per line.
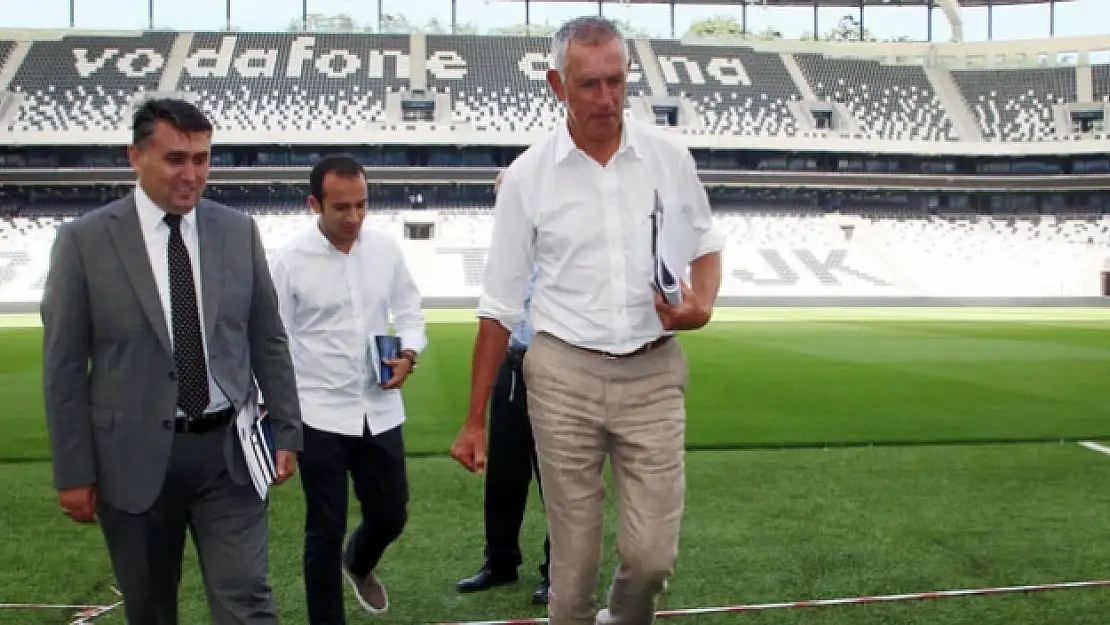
333, 305
587, 230
156, 236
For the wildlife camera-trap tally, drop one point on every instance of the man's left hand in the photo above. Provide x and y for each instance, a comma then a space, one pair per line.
286, 462
401, 368
691, 314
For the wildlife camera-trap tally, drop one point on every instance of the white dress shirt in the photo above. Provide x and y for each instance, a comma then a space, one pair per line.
156, 235
587, 229
333, 305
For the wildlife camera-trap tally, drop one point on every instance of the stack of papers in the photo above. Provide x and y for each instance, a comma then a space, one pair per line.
256, 437
674, 242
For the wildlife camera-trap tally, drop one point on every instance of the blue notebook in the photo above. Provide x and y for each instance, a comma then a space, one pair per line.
389, 348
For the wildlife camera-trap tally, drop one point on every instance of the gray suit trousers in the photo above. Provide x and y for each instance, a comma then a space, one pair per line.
228, 524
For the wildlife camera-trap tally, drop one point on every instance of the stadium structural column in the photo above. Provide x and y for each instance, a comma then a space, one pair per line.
861, 18
929, 21
816, 22
990, 20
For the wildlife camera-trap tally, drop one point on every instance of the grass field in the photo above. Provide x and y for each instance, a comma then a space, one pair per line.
834, 453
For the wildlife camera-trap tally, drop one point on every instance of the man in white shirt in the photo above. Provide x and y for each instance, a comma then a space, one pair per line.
337, 284
604, 375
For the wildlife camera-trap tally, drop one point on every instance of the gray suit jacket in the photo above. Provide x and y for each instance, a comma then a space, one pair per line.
109, 377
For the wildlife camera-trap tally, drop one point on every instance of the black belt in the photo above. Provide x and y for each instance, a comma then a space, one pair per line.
203, 424
640, 351
515, 355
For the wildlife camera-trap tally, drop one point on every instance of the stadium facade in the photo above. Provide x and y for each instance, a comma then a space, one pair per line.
836, 169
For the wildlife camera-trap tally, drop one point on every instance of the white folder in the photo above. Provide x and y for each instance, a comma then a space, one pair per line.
256, 440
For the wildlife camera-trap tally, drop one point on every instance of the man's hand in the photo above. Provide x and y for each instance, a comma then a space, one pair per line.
286, 462
401, 368
691, 314
469, 448
79, 503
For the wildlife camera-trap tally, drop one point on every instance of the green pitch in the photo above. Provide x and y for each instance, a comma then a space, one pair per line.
765, 523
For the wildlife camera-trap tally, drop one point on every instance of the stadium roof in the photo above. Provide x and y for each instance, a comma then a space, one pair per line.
823, 3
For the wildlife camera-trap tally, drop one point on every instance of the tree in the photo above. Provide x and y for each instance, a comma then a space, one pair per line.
768, 34
467, 28
318, 22
848, 29
716, 26
534, 30
433, 27
629, 30
397, 23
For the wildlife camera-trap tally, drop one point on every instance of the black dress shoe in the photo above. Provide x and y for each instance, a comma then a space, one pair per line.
485, 579
540, 596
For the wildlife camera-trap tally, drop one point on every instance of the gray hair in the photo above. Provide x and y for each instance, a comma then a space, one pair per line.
588, 30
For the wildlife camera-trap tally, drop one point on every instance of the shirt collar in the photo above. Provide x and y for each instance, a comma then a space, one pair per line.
151, 215
325, 246
565, 147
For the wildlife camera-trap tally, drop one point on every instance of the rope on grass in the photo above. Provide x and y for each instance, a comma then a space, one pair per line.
816, 603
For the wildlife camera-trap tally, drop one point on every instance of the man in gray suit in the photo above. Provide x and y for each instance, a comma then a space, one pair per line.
158, 314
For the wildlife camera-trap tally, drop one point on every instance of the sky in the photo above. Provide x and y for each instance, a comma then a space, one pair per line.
1077, 17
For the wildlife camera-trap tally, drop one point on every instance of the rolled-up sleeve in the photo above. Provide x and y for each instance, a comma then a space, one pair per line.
701, 215
509, 262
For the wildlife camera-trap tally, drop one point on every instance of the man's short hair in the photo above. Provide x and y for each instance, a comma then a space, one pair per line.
338, 164
587, 30
180, 114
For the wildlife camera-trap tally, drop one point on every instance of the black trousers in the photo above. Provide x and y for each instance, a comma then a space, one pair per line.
510, 465
376, 465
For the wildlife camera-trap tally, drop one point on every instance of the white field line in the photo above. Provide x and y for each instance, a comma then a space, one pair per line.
1093, 446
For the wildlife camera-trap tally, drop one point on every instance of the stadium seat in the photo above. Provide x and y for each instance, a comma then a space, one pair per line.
894, 102
1016, 104
735, 90
87, 82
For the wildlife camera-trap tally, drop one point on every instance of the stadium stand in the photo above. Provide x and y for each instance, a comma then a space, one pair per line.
783, 252
1100, 79
86, 82
499, 83
807, 232
887, 101
283, 81
736, 91
1016, 104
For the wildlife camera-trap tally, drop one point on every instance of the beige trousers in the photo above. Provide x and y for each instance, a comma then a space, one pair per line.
584, 407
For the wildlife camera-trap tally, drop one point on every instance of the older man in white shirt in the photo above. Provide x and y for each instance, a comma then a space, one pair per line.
604, 375
337, 284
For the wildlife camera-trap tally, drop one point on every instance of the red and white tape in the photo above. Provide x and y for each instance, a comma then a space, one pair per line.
85, 613
47, 606
85, 617
817, 603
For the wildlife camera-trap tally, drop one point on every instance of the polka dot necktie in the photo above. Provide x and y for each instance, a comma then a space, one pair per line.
188, 346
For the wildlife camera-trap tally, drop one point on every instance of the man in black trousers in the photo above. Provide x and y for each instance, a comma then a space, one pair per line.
339, 282
509, 469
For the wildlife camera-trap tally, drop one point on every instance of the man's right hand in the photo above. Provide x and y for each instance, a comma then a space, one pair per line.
469, 448
79, 503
